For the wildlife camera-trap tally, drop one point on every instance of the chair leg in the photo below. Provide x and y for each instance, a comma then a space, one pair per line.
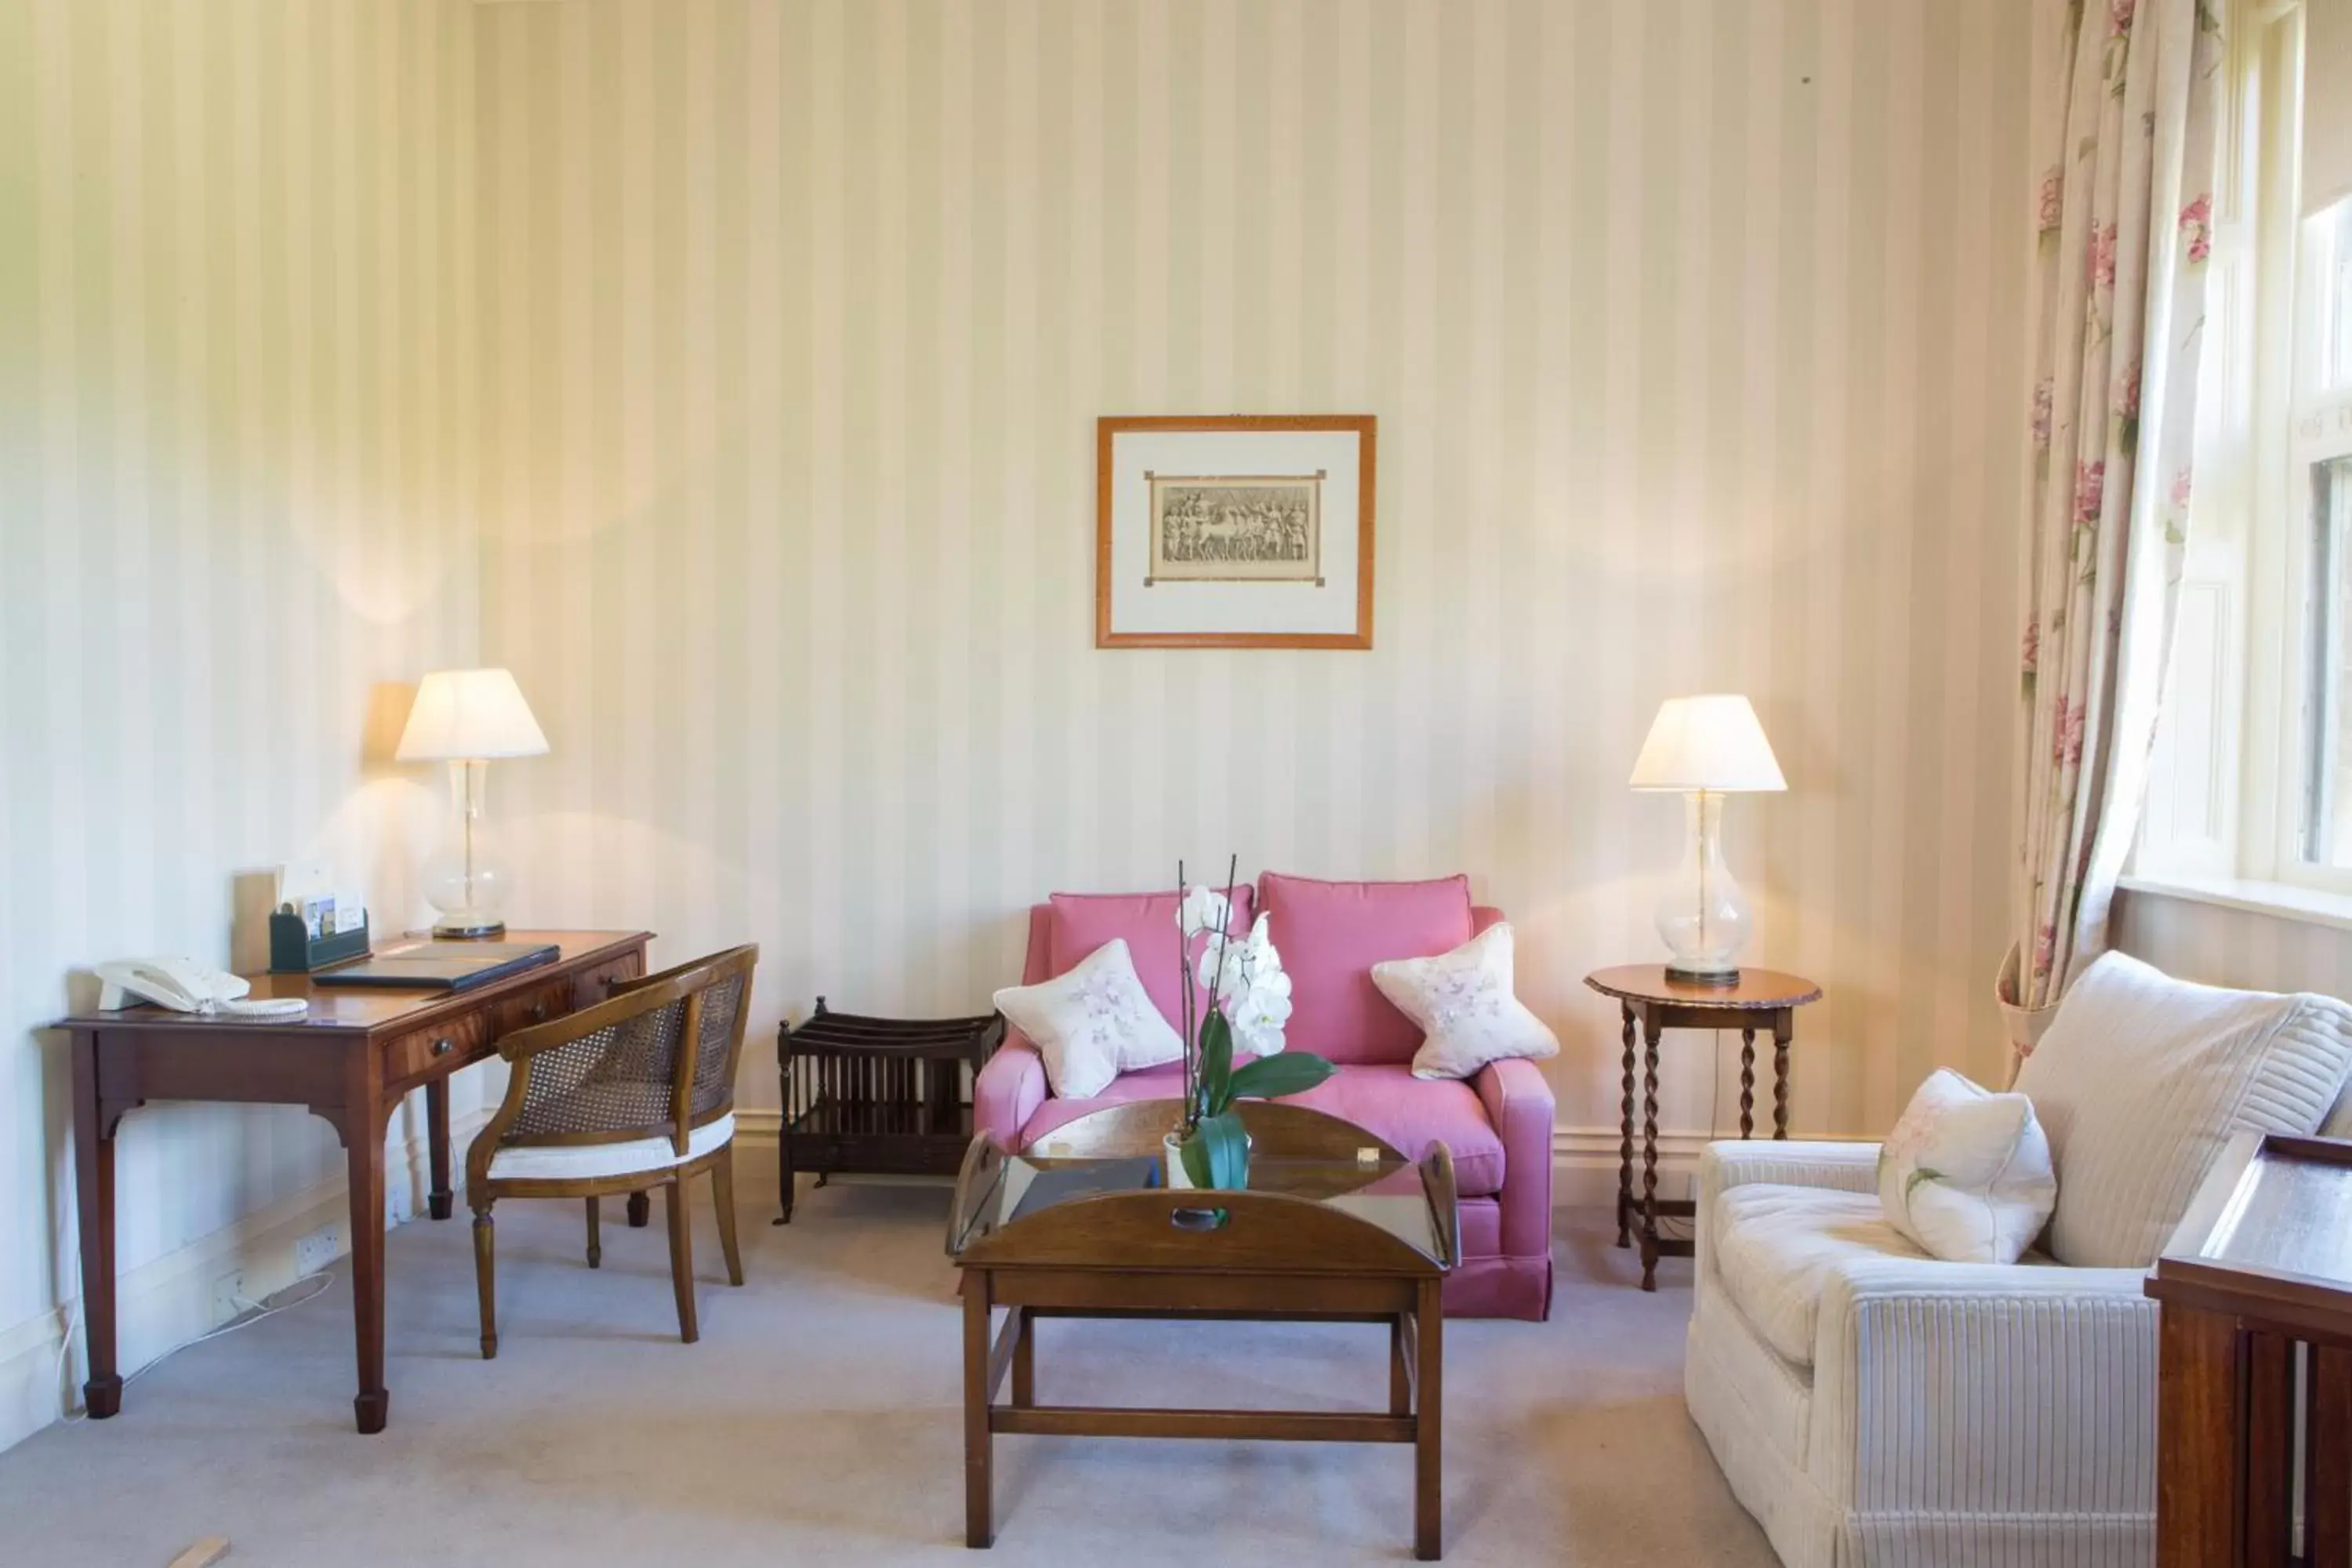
485, 1280
722, 1193
596, 1233
681, 1259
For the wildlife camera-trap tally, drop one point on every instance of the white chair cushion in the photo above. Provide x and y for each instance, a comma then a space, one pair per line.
1775, 1245
1966, 1172
2142, 1078
574, 1161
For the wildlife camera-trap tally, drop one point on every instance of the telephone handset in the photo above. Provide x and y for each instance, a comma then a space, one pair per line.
186, 986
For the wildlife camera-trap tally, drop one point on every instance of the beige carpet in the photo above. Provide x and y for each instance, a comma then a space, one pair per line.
818, 1423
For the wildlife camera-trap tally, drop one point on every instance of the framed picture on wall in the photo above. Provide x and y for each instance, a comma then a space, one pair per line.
1235, 531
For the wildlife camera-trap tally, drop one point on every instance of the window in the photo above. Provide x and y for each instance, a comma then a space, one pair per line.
2252, 778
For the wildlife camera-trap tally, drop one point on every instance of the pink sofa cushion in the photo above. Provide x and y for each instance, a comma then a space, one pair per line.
1081, 922
1331, 933
1407, 1113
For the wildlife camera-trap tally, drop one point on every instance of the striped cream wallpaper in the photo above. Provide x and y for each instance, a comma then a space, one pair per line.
1695, 334
235, 450
2241, 947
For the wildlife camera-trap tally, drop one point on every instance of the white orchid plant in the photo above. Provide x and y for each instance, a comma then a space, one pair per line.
1248, 1002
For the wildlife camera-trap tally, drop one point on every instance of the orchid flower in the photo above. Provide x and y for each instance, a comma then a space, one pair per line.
1203, 909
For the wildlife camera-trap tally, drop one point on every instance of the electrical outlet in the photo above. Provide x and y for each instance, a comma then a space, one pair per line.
317, 1250
228, 1292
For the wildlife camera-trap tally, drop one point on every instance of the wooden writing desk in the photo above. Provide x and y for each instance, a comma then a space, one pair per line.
351, 1059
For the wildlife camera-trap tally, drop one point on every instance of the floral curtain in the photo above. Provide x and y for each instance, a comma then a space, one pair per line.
2125, 216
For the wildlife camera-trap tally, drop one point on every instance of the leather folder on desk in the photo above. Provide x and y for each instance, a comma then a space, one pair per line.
439, 965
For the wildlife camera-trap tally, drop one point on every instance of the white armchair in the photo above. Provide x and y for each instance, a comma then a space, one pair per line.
1871, 1405
1942, 1413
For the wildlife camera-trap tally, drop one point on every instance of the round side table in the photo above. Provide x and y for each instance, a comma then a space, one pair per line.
1763, 999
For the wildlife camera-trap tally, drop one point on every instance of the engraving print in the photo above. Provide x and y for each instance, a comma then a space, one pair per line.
1256, 527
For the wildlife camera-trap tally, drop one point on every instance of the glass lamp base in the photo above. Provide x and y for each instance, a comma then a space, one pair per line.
1725, 978
464, 927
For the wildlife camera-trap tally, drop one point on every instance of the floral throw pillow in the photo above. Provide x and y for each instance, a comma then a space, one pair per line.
1091, 1023
1463, 1003
1967, 1174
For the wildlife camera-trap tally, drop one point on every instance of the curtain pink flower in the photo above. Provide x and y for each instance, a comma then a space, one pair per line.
2124, 204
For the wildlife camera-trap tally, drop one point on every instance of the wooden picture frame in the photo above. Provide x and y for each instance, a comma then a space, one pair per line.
1242, 545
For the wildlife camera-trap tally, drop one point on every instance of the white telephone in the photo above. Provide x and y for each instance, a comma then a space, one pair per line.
186, 986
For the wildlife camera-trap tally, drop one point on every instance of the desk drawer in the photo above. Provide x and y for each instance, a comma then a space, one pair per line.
536, 1004
407, 1057
595, 983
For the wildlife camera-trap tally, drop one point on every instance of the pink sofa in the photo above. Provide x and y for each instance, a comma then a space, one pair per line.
1497, 1123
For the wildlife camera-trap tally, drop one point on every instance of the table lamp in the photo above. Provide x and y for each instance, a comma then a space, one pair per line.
1705, 748
466, 718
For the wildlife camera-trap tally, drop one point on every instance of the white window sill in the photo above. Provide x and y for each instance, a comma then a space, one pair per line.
2280, 901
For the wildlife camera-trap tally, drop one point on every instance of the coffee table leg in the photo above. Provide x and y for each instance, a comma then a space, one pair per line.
1024, 1360
1429, 1421
979, 1530
1400, 1376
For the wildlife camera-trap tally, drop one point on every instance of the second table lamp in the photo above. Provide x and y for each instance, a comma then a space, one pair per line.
1704, 748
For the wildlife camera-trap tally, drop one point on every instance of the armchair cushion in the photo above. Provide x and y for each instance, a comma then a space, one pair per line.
1776, 1247
1079, 923
2142, 1078
585, 1162
1331, 933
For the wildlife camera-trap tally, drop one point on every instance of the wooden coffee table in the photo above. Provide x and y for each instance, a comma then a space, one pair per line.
1335, 1226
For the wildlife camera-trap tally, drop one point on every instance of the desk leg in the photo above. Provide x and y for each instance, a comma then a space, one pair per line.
438, 1203
94, 1182
1651, 1031
641, 1210
1625, 1136
978, 1527
362, 1128
1429, 1425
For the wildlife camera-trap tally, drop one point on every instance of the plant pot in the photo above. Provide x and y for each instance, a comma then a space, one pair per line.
1172, 1149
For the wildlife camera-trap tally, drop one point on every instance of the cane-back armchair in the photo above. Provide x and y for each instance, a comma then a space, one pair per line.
636, 1092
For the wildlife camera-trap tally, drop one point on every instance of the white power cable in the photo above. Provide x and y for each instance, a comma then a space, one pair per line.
255, 1311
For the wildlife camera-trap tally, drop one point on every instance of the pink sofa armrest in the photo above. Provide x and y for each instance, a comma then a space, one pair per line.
1519, 1103
1009, 1090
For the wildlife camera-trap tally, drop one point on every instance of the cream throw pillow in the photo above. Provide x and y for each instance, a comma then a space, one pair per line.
1091, 1023
1465, 1007
1966, 1173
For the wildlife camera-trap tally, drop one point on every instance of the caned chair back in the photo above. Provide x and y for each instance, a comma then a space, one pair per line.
657, 1058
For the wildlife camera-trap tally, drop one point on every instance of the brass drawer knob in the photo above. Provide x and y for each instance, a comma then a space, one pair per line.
443, 1046
539, 1011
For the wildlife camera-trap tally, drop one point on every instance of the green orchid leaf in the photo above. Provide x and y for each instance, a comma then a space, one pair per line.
1271, 1078
1217, 1064
1224, 1146
1195, 1153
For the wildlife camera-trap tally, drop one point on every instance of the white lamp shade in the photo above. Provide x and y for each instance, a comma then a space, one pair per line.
1711, 743
469, 714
